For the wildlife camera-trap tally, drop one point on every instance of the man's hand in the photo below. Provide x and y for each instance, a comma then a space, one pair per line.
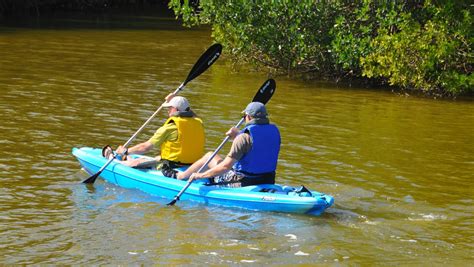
169, 97
232, 133
196, 176
121, 150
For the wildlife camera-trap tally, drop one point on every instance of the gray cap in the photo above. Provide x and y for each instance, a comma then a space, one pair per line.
256, 110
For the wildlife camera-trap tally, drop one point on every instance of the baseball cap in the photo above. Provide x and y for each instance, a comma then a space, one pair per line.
256, 110
178, 102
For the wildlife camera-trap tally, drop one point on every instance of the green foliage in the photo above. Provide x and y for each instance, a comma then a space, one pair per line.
354, 30
430, 56
423, 45
278, 34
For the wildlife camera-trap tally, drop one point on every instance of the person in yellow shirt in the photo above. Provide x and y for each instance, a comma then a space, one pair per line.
180, 139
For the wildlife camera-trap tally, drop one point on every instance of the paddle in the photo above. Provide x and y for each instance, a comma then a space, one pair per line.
263, 96
201, 65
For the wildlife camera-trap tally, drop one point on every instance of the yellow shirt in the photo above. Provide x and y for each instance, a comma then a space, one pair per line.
167, 132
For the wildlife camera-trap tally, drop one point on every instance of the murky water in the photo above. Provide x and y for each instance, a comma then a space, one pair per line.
400, 168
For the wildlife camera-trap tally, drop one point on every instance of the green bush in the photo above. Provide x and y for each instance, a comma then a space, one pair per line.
423, 45
278, 34
433, 56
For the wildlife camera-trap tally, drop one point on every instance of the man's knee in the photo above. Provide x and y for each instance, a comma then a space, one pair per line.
205, 157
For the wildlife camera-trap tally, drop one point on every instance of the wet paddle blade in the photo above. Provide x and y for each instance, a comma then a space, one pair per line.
266, 91
91, 179
204, 62
172, 202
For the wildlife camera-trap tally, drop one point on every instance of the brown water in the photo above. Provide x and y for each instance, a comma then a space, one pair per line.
400, 168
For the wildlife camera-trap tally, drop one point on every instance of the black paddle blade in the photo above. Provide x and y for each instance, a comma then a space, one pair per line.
172, 202
265, 92
204, 62
91, 179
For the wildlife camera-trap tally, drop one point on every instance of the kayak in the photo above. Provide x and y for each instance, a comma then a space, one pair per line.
266, 197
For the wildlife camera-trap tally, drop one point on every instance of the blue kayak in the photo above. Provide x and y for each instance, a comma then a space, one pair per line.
267, 197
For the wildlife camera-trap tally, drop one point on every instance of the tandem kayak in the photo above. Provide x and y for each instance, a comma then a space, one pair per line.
267, 197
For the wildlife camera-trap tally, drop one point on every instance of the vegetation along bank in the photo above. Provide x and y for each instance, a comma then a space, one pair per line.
415, 45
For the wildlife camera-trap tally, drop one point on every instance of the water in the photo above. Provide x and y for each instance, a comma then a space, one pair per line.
400, 168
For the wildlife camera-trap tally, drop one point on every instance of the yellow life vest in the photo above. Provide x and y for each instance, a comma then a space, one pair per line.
189, 147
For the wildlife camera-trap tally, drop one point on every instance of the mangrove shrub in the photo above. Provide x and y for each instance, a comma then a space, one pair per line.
422, 45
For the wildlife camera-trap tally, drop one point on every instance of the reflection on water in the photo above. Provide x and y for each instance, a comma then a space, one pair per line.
400, 168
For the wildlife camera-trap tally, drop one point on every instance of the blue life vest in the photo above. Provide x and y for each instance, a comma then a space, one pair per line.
263, 156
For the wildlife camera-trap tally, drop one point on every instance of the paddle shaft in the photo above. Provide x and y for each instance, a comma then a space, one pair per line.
151, 118
263, 95
201, 65
219, 147
176, 198
92, 178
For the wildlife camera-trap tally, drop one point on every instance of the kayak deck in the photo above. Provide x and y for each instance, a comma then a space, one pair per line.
267, 197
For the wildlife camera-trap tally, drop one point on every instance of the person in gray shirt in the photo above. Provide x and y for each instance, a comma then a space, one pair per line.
252, 158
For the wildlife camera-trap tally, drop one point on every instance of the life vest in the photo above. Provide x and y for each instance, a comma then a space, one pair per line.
189, 146
263, 157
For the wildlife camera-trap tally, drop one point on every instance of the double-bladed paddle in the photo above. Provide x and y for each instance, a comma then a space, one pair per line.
263, 96
201, 65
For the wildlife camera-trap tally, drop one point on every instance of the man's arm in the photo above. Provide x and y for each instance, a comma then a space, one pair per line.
140, 149
164, 133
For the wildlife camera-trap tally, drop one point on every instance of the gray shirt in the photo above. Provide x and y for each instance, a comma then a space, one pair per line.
240, 146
